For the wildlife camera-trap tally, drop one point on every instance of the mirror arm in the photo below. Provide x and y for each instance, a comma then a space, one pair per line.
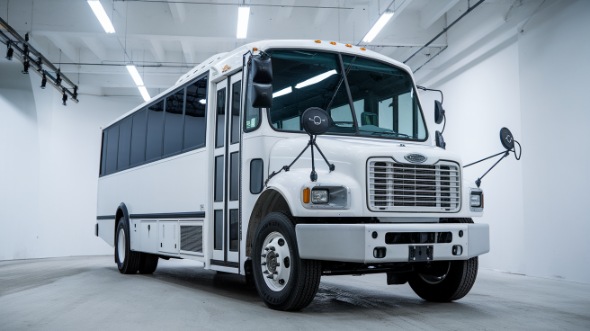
487, 158
478, 181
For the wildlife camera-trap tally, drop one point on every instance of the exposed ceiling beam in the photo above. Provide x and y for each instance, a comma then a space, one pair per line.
64, 46
178, 11
434, 11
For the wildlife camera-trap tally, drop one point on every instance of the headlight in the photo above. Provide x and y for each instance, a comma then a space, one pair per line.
320, 196
326, 197
476, 199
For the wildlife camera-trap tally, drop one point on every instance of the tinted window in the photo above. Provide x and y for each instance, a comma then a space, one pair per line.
218, 189
235, 112
234, 176
138, 138
124, 144
195, 120
220, 130
174, 126
155, 131
112, 146
103, 153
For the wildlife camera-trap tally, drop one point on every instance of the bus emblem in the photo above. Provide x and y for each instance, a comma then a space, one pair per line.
415, 158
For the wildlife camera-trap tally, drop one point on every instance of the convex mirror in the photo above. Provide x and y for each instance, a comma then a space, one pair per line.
261, 81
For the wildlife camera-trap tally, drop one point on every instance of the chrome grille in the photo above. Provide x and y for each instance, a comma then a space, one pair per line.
414, 188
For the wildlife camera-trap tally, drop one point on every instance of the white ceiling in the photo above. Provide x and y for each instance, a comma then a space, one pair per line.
165, 38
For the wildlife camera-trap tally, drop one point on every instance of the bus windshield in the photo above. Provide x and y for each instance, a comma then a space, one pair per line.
363, 97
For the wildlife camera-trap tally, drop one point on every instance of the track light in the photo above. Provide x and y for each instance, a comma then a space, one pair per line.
58, 79
9, 51
26, 67
75, 96
64, 97
44, 80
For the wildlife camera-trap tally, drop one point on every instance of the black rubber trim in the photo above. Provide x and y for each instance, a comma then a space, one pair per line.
196, 214
105, 217
225, 264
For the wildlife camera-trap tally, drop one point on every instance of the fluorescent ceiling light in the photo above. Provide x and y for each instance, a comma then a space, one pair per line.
144, 93
135, 74
138, 81
243, 16
385, 17
316, 79
282, 92
101, 15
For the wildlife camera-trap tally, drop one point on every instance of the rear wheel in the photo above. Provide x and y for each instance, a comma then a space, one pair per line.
445, 281
283, 280
127, 260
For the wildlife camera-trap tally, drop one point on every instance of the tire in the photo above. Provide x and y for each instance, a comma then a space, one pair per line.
148, 263
283, 280
445, 281
127, 260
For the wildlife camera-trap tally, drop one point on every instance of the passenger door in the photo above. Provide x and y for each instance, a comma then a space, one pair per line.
226, 207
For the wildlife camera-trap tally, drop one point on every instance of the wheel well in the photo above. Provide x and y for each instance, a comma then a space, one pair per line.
121, 212
268, 202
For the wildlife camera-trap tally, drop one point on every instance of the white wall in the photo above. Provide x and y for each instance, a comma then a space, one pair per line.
530, 75
49, 156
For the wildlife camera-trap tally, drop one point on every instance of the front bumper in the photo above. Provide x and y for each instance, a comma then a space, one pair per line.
376, 243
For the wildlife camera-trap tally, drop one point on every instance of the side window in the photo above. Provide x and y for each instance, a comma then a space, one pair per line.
174, 124
138, 136
112, 146
195, 121
124, 144
103, 153
155, 130
220, 111
235, 111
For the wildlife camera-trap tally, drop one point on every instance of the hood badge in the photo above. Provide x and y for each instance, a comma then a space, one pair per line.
415, 158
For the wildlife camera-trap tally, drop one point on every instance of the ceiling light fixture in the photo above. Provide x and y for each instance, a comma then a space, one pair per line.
9, 51
243, 17
144, 93
381, 22
102, 16
64, 97
138, 81
26, 66
44, 80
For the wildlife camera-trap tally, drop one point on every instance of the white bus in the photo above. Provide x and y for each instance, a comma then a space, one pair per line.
285, 161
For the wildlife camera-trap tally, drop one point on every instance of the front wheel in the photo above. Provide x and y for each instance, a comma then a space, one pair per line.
283, 280
444, 281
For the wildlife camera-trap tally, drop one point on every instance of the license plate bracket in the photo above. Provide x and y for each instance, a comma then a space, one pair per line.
420, 253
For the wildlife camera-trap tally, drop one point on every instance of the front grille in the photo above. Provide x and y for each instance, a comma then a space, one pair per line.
413, 188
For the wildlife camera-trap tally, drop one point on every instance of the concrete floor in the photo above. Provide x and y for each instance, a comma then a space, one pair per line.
89, 293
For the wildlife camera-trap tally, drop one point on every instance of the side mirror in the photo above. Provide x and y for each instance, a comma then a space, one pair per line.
261, 81
507, 139
315, 121
439, 112
440, 141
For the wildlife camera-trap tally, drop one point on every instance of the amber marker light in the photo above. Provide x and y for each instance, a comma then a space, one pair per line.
306, 195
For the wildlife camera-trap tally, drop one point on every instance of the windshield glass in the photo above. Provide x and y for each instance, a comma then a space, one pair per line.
382, 101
